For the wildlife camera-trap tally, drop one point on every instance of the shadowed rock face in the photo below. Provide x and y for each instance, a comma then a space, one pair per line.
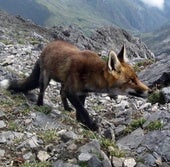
158, 74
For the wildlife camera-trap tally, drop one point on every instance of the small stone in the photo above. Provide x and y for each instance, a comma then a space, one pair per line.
140, 165
52, 82
109, 134
154, 107
43, 156
9, 136
2, 124
72, 161
61, 132
32, 141
121, 97
149, 159
60, 163
84, 157
3, 139
146, 106
118, 121
130, 162
28, 156
72, 147
117, 162
119, 130
2, 153
166, 93
91, 147
28, 121
107, 98
158, 161
123, 104
69, 136
94, 162
2, 114
8, 61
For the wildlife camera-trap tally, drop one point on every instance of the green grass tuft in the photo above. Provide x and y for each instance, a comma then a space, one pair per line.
156, 97
155, 125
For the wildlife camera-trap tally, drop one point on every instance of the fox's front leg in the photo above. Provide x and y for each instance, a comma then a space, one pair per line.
63, 95
81, 113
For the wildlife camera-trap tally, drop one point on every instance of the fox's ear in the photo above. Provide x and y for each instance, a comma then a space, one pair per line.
122, 55
113, 62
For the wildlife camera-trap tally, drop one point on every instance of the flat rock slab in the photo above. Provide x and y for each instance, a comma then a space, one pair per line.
159, 142
132, 140
157, 74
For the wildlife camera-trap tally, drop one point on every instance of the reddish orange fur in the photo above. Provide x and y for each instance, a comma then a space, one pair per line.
73, 67
80, 70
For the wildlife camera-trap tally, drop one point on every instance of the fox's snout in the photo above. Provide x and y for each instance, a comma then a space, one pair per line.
141, 91
138, 93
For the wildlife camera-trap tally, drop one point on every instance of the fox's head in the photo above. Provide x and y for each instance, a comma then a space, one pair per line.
122, 78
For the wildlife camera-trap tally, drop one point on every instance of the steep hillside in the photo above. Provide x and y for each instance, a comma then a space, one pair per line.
89, 14
77, 12
159, 40
28, 9
133, 14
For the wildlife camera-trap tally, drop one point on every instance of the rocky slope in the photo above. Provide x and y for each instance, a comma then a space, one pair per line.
132, 130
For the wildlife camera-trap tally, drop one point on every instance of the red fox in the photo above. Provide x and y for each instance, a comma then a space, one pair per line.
80, 72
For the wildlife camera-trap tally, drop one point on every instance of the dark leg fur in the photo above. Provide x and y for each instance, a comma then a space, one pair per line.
81, 113
43, 83
64, 99
82, 99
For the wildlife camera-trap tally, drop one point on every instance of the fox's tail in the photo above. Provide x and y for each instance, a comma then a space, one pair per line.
24, 85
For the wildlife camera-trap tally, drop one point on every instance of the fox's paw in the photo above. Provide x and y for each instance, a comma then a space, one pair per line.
94, 126
90, 125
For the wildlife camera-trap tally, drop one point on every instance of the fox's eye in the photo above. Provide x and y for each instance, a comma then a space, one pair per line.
132, 80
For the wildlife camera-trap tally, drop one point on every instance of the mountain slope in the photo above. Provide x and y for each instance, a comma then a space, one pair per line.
133, 14
68, 13
28, 9
89, 14
159, 40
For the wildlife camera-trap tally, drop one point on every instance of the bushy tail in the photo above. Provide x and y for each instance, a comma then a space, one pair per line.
24, 85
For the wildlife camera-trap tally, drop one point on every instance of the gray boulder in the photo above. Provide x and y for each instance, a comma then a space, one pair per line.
166, 93
158, 74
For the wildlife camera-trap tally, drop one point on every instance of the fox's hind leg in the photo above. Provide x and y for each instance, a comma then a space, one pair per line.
64, 98
43, 83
